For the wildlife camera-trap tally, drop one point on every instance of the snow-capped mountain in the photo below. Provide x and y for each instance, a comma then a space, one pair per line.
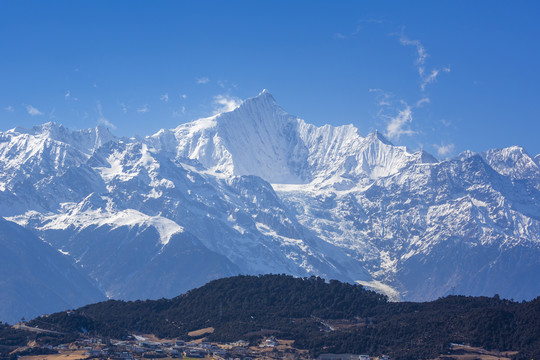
260, 138
515, 163
257, 190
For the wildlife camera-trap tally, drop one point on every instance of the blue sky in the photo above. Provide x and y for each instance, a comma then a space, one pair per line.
444, 76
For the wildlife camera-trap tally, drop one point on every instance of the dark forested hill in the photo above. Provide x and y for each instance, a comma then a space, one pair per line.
320, 316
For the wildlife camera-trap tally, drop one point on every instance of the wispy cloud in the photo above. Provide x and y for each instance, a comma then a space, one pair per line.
421, 53
9, 108
101, 119
124, 108
399, 124
396, 113
383, 97
432, 77
179, 113
359, 27
445, 150
183, 96
143, 109
33, 111
225, 103
68, 96
164, 97
422, 101
426, 77
446, 122
203, 80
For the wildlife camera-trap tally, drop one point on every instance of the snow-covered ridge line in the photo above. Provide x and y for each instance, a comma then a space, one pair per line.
256, 190
260, 138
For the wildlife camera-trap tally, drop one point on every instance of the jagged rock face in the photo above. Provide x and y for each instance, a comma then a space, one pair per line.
257, 190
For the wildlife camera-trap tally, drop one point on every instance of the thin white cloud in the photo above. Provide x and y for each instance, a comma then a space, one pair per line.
101, 119
383, 98
361, 25
164, 97
397, 115
183, 96
421, 53
33, 111
422, 101
68, 96
225, 103
445, 150
124, 108
446, 122
420, 61
432, 77
179, 113
399, 124
9, 108
203, 80
144, 109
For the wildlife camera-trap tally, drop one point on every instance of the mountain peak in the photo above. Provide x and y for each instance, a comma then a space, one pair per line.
265, 93
263, 98
377, 135
49, 128
256, 111
86, 140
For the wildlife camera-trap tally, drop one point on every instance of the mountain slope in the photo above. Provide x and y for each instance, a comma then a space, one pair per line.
36, 279
319, 316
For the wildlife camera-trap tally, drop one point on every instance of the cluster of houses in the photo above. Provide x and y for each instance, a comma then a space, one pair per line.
131, 350
349, 357
140, 349
144, 349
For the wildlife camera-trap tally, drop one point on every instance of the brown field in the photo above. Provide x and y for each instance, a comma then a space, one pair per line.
201, 332
67, 355
283, 351
465, 352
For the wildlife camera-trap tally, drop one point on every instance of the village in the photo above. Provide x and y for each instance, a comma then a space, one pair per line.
149, 347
